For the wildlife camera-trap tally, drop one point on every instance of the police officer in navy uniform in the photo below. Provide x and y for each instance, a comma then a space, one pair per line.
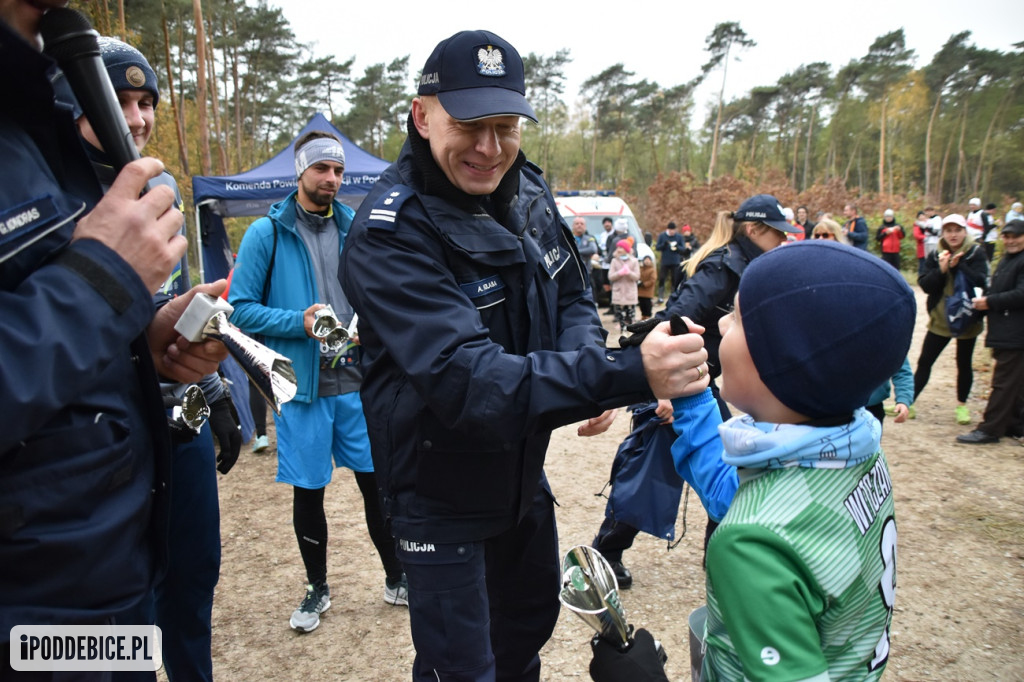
480, 338
84, 448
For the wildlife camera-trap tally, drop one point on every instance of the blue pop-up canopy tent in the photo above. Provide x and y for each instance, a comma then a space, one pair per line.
251, 193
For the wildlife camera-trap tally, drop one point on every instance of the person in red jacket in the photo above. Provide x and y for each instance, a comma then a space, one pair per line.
890, 238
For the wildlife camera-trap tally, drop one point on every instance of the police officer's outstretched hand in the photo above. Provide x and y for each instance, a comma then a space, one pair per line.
639, 663
225, 426
675, 363
143, 230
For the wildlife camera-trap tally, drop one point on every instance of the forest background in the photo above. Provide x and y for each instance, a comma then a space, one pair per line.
879, 131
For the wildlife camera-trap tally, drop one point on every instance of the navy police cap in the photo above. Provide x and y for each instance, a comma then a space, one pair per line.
476, 74
764, 208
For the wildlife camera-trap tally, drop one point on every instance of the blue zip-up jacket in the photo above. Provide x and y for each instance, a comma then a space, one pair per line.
479, 338
292, 289
857, 232
697, 452
84, 451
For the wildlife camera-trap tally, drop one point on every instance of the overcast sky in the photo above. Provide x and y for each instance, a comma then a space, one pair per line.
660, 40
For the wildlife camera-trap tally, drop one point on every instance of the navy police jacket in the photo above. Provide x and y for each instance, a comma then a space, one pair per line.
83, 448
479, 338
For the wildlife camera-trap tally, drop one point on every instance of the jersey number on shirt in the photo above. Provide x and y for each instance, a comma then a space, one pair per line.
887, 588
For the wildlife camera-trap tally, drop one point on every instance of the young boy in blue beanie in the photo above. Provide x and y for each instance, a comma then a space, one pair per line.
801, 571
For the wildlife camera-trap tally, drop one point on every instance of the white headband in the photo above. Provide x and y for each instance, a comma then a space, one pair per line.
318, 149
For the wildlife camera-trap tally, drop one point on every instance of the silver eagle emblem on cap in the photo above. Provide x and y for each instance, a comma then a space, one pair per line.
490, 61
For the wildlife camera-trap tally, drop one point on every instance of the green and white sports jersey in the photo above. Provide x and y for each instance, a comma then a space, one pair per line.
801, 575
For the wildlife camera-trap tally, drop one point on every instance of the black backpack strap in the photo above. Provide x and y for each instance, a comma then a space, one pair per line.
270, 267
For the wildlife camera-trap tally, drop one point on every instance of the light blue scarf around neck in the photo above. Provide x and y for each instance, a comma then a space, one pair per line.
763, 445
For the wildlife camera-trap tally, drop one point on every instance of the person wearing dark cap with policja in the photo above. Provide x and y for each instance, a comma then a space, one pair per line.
479, 340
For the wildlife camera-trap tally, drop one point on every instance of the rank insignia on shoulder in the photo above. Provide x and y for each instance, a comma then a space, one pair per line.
386, 208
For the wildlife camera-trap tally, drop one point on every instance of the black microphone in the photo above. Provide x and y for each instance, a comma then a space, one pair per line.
69, 39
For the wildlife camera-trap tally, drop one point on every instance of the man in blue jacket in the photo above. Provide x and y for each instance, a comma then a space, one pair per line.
84, 448
856, 228
287, 270
481, 337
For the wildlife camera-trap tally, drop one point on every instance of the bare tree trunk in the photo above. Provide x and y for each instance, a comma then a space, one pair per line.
236, 84
203, 123
988, 136
881, 147
226, 120
182, 147
718, 119
849, 164
654, 155
796, 153
593, 152
945, 165
215, 102
961, 156
121, 21
929, 197
888, 162
807, 150
181, 81
104, 26
830, 170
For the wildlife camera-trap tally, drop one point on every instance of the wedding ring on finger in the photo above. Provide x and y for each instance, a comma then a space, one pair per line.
700, 372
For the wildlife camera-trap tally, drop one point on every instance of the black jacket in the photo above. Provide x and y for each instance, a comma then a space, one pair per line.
1006, 304
938, 285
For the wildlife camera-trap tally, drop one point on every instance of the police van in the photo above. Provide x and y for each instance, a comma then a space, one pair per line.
595, 206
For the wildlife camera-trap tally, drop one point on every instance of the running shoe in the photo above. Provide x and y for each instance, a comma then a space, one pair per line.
397, 593
306, 618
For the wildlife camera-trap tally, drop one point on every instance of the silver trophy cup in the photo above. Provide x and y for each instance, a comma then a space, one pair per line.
193, 410
271, 373
590, 590
325, 321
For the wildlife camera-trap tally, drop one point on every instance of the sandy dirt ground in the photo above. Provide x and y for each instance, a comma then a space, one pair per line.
960, 598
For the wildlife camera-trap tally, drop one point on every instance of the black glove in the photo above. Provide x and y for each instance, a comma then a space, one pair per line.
225, 426
180, 432
639, 330
641, 662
